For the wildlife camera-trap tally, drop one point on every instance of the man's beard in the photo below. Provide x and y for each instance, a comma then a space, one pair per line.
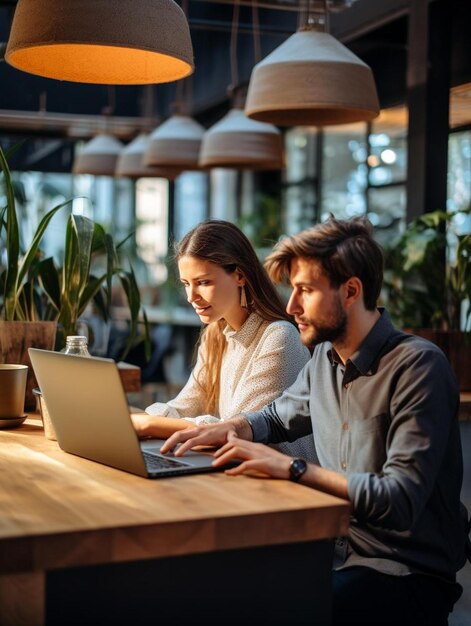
331, 329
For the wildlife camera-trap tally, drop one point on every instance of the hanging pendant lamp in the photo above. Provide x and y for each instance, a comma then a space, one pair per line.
311, 80
121, 42
98, 156
240, 143
130, 162
175, 143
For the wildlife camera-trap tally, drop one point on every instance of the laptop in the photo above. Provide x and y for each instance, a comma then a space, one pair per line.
90, 414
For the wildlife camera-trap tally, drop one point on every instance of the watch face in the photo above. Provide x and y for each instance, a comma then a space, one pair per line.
297, 468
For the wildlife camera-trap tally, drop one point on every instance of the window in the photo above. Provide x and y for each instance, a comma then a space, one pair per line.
344, 171
459, 171
191, 191
151, 231
300, 180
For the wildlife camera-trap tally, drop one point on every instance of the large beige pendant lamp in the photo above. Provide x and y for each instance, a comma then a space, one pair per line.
175, 143
99, 156
130, 162
126, 42
312, 80
235, 141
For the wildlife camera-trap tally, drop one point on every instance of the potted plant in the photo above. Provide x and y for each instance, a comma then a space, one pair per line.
41, 302
428, 284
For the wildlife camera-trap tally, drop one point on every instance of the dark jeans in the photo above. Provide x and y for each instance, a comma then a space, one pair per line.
365, 596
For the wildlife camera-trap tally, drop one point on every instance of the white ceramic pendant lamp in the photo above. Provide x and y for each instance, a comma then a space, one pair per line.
311, 80
101, 41
98, 156
237, 142
130, 163
175, 143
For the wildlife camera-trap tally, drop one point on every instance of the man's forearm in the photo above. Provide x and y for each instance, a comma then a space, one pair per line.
315, 476
242, 427
326, 480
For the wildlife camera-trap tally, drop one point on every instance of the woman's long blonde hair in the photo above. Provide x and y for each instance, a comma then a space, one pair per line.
224, 244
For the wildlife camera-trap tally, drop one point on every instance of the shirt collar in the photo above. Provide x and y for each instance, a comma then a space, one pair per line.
246, 333
367, 355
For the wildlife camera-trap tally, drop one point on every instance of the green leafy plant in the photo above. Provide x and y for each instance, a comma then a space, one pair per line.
33, 287
263, 225
428, 272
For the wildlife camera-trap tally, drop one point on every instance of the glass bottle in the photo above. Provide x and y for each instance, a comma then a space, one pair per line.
76, 344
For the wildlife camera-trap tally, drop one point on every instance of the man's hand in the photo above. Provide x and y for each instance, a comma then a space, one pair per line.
208, 435
254, 456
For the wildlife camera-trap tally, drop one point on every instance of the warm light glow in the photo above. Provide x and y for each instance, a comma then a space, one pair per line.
373, 160
99, 64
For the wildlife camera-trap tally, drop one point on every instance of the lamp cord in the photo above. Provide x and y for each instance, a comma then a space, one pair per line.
181, 101
109, 110
233, 49
256, 32
326, 17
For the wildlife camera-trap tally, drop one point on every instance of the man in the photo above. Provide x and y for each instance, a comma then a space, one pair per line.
382, 406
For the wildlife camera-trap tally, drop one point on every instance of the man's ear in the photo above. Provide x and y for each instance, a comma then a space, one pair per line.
353, 290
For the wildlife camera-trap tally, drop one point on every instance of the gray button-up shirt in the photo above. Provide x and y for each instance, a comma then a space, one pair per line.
388, 421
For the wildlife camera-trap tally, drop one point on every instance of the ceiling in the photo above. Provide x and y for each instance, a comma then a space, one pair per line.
210, 24
376, 31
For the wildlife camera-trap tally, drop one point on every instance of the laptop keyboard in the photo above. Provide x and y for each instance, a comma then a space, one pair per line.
156, 463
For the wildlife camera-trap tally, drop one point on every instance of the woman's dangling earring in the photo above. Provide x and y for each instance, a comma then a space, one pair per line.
243, 298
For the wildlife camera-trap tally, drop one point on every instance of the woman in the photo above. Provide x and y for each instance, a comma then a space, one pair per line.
249, 351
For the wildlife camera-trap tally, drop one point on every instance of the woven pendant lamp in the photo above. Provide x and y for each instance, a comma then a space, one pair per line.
240, 143
236, 142
130, 162
98, 156
175, 143
127, 42
311, 80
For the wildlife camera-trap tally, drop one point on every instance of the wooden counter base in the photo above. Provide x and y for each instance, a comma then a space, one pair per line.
59, 512
276, 586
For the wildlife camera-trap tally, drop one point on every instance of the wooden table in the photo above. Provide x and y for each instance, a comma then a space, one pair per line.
223, 545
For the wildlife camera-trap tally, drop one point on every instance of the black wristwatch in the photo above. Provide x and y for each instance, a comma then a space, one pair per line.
297, 467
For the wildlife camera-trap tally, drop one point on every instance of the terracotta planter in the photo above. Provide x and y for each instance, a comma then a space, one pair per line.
457, 347
16, 338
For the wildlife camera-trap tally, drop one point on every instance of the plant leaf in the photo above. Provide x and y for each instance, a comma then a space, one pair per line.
49, 277
31, 253
92, 288
12, 244
128, 281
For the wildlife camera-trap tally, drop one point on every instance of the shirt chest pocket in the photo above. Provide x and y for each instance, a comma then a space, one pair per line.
368, 442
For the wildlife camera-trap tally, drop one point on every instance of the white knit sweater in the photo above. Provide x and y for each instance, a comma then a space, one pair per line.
261, 360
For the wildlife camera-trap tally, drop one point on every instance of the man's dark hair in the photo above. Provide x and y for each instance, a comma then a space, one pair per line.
344, 248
